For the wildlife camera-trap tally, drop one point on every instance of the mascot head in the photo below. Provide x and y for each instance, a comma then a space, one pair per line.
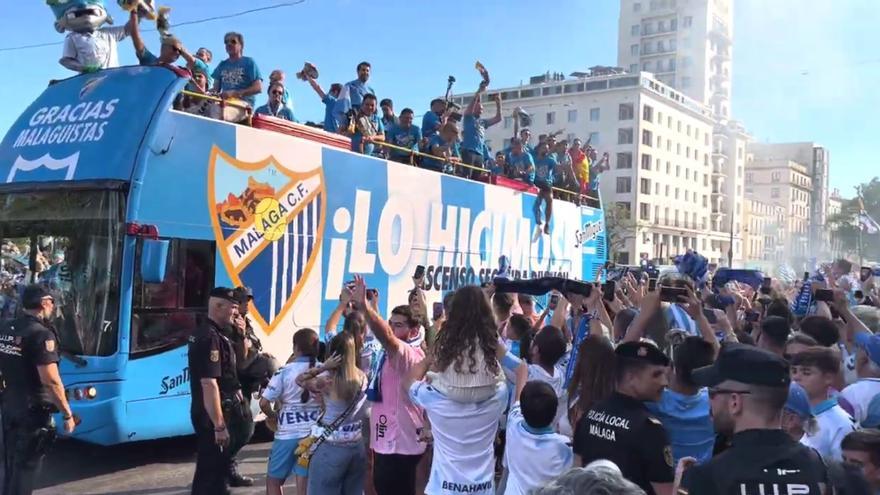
80, 16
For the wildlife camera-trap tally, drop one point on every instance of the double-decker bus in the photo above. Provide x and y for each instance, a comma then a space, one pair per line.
131, 211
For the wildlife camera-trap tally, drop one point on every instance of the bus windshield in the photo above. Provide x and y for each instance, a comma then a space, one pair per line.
70, 241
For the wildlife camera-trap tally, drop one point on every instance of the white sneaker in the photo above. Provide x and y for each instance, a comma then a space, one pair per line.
538, 231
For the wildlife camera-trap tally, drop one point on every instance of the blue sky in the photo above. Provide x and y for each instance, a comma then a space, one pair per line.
803, 69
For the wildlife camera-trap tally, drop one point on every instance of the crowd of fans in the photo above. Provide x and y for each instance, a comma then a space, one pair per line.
447, 141
642, 385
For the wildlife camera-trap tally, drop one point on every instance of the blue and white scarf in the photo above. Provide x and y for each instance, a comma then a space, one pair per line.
374, 387
678, 318
583, 331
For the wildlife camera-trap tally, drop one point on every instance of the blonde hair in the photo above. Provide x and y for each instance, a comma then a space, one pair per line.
347, 378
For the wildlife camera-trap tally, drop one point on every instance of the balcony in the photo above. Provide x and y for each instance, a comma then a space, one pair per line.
654, 33
721, 56
718, 171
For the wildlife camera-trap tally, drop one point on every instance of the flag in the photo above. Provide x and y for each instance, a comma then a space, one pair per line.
866, 223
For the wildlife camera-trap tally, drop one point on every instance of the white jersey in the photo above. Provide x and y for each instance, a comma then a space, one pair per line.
99, 48
533, 457
857, 397
834, 424
295, 418
464, 438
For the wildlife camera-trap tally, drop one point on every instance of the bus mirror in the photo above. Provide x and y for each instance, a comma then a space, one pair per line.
154, 258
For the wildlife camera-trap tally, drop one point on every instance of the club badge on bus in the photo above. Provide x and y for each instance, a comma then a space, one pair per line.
268, 222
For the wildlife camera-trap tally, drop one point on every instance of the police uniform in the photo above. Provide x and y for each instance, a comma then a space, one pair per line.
28, 429
758, 460
211, 355
623, 431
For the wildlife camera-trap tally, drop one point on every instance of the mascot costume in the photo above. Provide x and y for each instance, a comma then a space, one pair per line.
89, 45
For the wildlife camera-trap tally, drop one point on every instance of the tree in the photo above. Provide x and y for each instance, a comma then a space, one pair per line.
619, 226
844, 227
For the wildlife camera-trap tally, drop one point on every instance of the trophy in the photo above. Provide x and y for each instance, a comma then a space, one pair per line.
525, 120
163, 25
483, 72
145, 8
308, 71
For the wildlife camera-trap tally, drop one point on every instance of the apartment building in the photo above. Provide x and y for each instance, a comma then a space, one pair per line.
817, 161
763, 235
660, 143
786, 184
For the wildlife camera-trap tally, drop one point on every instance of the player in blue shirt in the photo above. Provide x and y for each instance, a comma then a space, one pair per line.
353, 92
203, 59
545, 164
444, 144
474, 128
237, 76
434, 119
275, 107
329, 101
405, 135
368, 127
521, 162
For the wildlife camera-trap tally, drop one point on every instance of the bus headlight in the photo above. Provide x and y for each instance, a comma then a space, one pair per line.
90, 392
77, 394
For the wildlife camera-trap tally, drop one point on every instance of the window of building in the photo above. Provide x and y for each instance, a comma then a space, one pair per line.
164, 315
635, 30
687, 22
705, 201
666, 191
687, 195
697, 133
661, 46
624, 160
678, 170
668, 166
646, 162
633, 68
624, 184
551, 118
645, 186
673, 24
644, 211
677, 148
625, 209
668, 145
657, 188
634, 50
625, 111
594, 138
594, 115
677, 190
646, 67
648, 113
774, 193
625, 136
774, 177
672, 45
506, 143
687, 152
572, 116
508, 122
637, 7
669, 122
656, 218
687, 173
657, 165
647, 138
658, 141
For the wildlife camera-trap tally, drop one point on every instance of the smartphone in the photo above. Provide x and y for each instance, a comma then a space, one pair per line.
608, 289
826, 295
652, 284
554, 300
806, 276
419, 273
859, 294
710, 315
752, 316
438, 310
673, 294
765, 285
372, 293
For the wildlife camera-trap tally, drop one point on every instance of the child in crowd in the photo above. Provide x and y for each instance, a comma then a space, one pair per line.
291, 411
547, 348
816, 369
535, 454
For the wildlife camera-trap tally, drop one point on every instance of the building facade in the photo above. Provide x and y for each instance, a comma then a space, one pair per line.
785, 184
763, 235
660, 144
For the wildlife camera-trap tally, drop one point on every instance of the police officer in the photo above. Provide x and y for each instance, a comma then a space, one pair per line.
218, 409
32, 390
748, 388
621, 430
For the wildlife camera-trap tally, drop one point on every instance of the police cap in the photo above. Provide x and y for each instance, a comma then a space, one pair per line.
642, 351
33, 295
745, 364
224, 293
243, 294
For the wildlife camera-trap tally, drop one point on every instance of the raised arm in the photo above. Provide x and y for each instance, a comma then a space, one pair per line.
317, 87
381, 329
650, 309
497, 118
333, 320
133, 28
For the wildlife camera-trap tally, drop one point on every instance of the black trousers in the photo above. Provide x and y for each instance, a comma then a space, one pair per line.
541, 286
395, 474
26, 440
213, 463
243, 434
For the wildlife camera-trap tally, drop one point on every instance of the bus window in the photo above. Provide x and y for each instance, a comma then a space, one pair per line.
164, 315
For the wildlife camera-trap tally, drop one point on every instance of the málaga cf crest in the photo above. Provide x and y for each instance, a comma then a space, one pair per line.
268, 222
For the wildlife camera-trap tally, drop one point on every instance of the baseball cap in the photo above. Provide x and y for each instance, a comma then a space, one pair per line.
33, 295
797, 402
871, 344
224, 293
872, 415
243, 294
745, 364
642, 351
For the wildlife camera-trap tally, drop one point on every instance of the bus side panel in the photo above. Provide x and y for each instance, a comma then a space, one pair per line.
156, 393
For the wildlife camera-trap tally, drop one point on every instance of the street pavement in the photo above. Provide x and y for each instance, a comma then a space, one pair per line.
142, 468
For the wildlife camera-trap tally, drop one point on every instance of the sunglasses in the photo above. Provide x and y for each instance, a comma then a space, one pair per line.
279, 93
230, 42
721, 391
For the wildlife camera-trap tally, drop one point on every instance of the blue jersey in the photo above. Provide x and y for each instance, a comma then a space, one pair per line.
524, 165
237, 75
405, 138
437, 143
544, 168
330, 124
688, 423
376, 123
282, 112
473, 133
430, 124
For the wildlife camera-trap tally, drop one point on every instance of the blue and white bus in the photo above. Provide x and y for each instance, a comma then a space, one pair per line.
101, 164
